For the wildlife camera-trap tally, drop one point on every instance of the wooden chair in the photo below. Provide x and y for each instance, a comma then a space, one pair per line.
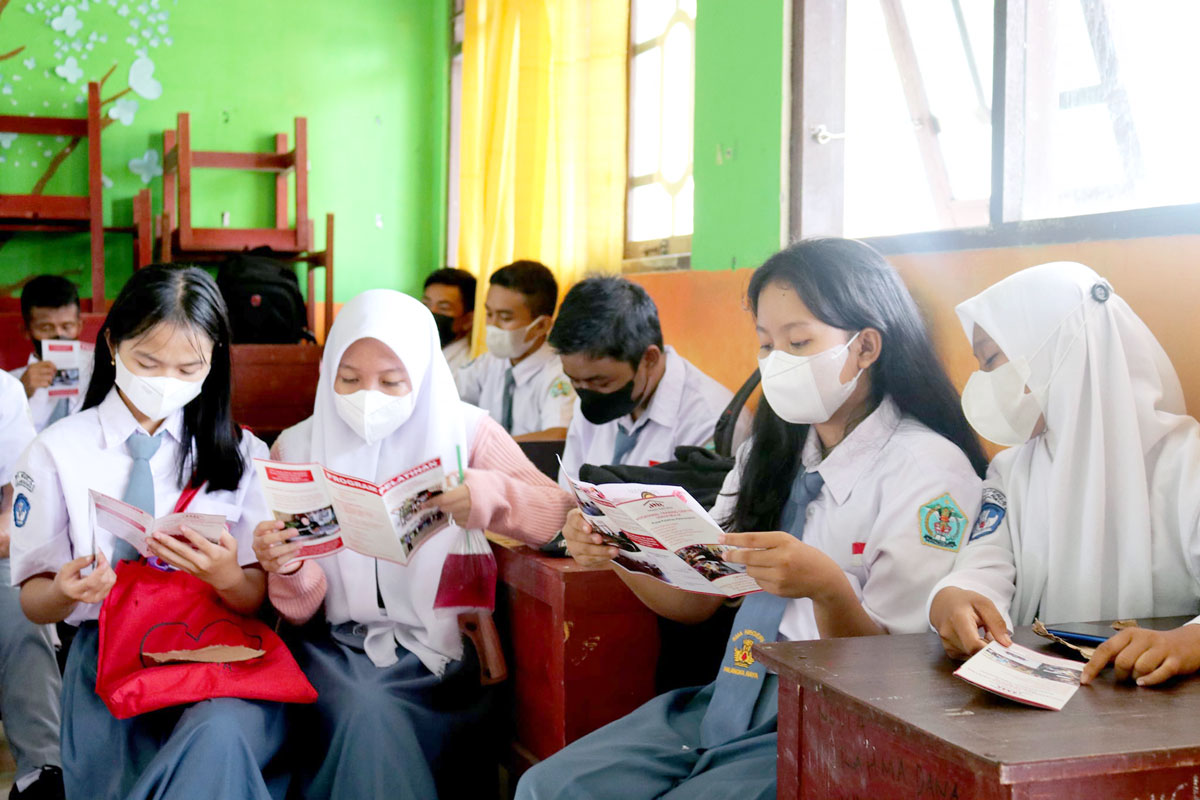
64, 213
179, 159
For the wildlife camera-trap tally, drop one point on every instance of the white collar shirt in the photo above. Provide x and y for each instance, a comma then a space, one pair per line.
542, 394
87, 451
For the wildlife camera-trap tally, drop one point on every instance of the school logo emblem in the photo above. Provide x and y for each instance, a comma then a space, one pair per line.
942, 523
560, 388
991, 514
20, 510
743, 643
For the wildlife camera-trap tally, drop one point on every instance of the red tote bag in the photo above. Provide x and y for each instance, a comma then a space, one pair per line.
151, 612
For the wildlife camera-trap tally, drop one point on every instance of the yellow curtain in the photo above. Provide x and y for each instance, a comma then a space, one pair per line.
543, 138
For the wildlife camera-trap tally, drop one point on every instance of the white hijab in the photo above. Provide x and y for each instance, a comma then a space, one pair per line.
1103, 506
440, 425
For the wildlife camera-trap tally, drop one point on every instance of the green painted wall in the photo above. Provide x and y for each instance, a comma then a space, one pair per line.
370, 75
739, 90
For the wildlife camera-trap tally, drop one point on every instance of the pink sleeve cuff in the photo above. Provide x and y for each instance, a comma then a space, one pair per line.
298, 596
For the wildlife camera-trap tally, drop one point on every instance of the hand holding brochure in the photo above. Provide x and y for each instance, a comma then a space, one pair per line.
1024, 675
330, 511
663, 532
136, 526
66, 356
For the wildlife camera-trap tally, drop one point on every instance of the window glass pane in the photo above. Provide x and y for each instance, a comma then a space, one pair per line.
650, 18
649, 213
1110, 119
683, 208
918, 119
645, 108
677, 103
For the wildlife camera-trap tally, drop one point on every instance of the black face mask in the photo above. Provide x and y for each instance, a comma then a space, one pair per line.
445, 326
601, 407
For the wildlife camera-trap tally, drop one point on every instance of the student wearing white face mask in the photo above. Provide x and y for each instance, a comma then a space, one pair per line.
519, 381
156, 420
1092, 513
851, 498
400, 711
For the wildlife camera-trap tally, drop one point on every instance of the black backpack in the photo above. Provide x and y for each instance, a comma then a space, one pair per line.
264, 300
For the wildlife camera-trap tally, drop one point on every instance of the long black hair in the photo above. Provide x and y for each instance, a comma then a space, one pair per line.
188, 298
847, 285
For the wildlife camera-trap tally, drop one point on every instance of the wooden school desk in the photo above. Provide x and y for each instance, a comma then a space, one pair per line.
883, 717
581, 649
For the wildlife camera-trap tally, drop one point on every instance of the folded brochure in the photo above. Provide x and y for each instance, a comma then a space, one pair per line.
661, 531
1024, 675
135, 526
329, 511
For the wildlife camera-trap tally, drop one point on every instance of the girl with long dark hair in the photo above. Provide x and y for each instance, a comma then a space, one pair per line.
850, 501
155, 422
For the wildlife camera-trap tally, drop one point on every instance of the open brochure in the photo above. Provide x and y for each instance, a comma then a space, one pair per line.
66, 356
329, 511
661, 531
1024, 675
136, 526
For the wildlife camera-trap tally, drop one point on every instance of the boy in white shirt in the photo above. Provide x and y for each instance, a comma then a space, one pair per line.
450, 295
638, 400
29, 694
50, 308
520, 380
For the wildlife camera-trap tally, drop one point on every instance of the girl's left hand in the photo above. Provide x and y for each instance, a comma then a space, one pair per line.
782, 564
456, 502
1149, 657
215, 564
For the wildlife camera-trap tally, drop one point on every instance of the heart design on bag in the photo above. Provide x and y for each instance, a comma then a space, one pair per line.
221, 641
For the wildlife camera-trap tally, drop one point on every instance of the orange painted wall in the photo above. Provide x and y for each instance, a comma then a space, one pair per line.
703, 313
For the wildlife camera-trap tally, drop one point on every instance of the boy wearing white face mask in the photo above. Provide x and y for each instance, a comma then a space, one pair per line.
519, 381
846, 505
156, 420
1091, 514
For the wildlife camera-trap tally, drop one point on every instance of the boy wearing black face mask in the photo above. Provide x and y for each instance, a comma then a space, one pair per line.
450, 295
638, 400
50, 310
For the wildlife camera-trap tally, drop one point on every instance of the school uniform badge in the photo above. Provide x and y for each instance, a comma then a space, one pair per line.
991, 514
942, 523
742, 651
20, 510
560, 388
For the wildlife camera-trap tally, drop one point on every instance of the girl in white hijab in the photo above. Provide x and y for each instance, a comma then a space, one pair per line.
400, 696
1093, 511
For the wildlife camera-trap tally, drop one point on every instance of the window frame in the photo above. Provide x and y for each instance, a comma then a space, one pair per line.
815, 170
671, 252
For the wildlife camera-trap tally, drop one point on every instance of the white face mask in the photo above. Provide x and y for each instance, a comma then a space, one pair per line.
997, 405
806, 389
510, 344
156, 397
372, 414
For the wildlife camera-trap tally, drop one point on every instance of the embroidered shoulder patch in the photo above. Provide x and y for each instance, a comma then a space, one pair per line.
20, 510
991, 514
560, 388
942, 523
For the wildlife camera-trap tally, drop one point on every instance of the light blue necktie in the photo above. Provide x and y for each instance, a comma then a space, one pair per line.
140, 491
741, 679
61, 409
625, 442
506, 410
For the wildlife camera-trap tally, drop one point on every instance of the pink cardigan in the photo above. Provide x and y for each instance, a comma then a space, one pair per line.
509, 495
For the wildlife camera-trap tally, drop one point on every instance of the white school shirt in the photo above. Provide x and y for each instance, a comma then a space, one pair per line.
87, 451
41, 405
458, 353
897, 503
684, 411
16, 425
542, 394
